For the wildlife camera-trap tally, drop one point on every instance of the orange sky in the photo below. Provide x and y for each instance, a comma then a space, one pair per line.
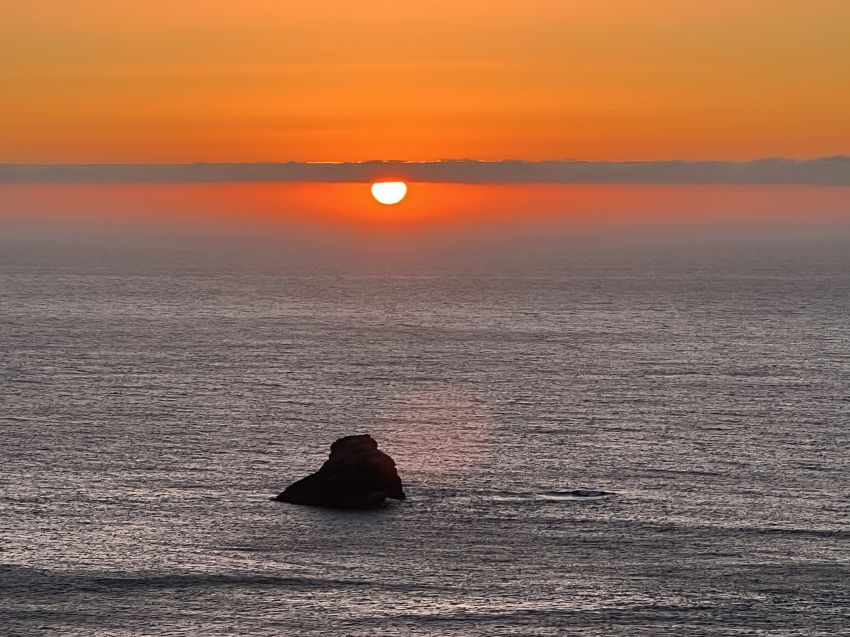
336, 80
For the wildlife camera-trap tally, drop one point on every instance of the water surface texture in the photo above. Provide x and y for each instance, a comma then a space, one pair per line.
150, 411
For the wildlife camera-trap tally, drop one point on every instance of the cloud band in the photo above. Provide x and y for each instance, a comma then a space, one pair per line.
827, 171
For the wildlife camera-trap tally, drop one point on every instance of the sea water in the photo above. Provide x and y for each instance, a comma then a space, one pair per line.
149, 408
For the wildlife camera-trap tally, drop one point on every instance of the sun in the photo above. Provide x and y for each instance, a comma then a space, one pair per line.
389, 192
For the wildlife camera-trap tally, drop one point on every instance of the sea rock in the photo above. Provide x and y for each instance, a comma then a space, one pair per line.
356, 475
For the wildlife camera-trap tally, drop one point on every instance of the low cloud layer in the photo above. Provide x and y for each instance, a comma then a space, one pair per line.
828, 171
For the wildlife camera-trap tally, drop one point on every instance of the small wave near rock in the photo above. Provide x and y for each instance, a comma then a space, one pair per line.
575, 494
578, 495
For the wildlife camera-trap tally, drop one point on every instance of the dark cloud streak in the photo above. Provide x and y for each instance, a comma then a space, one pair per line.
827, 171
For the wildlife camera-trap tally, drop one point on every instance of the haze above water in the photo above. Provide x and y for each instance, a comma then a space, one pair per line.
159, 384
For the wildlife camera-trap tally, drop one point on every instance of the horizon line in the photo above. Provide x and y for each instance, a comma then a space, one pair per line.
823, 171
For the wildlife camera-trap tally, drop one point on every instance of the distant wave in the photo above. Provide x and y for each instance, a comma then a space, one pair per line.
48, 582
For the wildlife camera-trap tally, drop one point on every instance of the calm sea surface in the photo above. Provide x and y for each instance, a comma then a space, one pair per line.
150, 407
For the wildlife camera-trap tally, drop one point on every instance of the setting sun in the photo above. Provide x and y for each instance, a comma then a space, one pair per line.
389, 192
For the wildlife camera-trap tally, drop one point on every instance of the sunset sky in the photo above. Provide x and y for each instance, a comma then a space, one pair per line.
333, 80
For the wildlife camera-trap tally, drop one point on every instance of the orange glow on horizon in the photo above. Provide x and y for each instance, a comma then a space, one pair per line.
434, 205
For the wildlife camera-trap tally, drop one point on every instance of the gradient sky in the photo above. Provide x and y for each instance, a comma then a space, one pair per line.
335, 80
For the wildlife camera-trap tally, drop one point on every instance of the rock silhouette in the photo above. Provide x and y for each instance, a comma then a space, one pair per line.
356, 475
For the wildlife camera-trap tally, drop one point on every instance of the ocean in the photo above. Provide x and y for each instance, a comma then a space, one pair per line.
152, 403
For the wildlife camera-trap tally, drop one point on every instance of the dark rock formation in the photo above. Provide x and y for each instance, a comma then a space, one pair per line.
357, 475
